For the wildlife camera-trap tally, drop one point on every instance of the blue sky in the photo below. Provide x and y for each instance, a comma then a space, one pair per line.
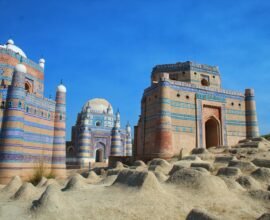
108, 48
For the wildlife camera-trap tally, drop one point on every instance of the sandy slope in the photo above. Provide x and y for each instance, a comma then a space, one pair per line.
131, 194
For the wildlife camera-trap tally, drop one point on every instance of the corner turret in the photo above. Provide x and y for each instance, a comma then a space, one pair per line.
116, 143
128, 140
11, 149
251, 114
59, 146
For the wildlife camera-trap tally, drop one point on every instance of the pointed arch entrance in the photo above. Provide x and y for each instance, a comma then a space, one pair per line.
212, 132
100, 152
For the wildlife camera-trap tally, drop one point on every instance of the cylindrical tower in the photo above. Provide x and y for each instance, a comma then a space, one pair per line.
116, 144
251, 114
59, 143
163, 147
12, 135
128, 141
84, 147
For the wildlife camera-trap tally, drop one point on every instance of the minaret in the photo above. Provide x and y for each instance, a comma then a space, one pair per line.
84, 146
128, 141
116, 144
42, 63
163, 135
59, 143
12, 132
251, 114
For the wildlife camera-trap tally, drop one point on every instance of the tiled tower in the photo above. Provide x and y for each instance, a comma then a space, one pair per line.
84, 143
59, 143
251, 114
13, 127
128, 141
116, 145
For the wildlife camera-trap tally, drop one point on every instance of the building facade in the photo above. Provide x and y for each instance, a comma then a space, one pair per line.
97, 135
185, 107
33, 127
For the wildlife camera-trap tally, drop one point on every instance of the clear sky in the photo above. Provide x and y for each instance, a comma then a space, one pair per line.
107, 48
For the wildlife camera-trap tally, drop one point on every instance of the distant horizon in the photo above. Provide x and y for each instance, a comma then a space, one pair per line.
108, 49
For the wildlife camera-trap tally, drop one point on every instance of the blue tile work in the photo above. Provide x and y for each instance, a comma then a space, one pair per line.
106, 135
178, 101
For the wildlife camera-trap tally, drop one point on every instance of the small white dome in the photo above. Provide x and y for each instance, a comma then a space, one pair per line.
41, 60
42, 63
11, 46
20, 68
10, 41
61, 88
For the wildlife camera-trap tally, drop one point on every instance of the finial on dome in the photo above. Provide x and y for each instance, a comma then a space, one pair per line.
42, 63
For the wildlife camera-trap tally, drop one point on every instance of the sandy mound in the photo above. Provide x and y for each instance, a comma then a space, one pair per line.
262, 174
50, 182
160, 165
248, 183
261, 162
159, 162
224, 159
204, 165
199, 151
92, 177
201, 169
260, 195
42, 182
232, 184
138, 163
50, 200
75, 182
140, 180
119, 165
229, 172
14, 184
197, 180
196, 214
25, 192
192, 157
109, 180
175, 168
242, 165
265, 216
161, 177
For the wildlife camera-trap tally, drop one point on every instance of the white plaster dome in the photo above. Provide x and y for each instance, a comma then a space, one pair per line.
61, 88
20, 68
11, 46
98, 105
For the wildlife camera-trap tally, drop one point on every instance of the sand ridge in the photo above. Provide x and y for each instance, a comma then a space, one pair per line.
156, 190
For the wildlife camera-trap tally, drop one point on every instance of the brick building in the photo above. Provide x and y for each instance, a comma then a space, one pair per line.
33, 127
185, 107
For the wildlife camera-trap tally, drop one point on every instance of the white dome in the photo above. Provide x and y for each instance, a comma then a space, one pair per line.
61, 88
10, 41
11, 46
41, 60
98, 105
20, 68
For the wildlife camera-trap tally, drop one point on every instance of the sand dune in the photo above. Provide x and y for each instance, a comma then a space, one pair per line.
230, 189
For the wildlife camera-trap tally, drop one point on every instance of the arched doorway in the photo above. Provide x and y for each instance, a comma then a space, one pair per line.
27, 87
99, 155
212, 132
